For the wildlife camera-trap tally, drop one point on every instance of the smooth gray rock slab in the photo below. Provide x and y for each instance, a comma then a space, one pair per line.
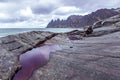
93, 58
13, 45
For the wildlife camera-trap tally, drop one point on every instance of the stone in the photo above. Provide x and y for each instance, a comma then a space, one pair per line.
88, 30
88, 59
117, 24
12, 46
114, 21
97, 24
103, 32
96, 57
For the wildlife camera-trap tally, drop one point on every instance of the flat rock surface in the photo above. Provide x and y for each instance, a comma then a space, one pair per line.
93, 58
90, 58
14, 45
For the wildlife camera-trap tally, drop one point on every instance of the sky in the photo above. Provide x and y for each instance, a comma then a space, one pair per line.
38, 13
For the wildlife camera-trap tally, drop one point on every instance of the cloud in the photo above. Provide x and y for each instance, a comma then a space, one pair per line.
66, 10
37, 13
12, 20
45, 6
27, 12
6, 0
6, 18
3, 16
47, 9
92, 5
24, 24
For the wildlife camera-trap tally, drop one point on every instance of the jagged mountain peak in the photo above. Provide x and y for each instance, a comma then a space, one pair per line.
76, 21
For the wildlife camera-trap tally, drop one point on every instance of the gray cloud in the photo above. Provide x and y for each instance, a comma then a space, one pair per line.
8, 20
9, 1
13, 20
77, 3
65, 10
39, 12
5, 0
92, 5
47, 9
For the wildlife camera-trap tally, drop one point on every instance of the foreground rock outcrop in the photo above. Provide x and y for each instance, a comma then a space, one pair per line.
12, 46
96, 57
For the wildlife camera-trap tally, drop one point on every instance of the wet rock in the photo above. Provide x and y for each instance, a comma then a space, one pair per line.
14, 45
75, 32
88, 30
103, 32
98, 24
96, 57
117, 24
114, 21
75, 37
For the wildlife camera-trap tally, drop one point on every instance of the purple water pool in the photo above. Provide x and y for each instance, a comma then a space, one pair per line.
33, 59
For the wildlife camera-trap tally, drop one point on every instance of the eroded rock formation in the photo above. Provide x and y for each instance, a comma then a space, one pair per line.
96, 57
77, 21
12, 46
114, 21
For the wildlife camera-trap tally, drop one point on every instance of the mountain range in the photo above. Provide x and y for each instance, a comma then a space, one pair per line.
77, 21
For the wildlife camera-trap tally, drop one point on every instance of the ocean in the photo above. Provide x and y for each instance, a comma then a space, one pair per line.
11, 31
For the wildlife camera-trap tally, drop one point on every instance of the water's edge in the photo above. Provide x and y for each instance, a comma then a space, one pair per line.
12, 31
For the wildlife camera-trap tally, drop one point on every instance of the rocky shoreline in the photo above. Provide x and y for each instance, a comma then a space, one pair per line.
94, 57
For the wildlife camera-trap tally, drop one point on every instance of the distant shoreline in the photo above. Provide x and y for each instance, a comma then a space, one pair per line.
12, 31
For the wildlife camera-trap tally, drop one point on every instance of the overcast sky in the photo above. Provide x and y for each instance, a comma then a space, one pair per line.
37, 13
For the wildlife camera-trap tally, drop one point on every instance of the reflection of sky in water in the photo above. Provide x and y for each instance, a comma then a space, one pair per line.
34, 59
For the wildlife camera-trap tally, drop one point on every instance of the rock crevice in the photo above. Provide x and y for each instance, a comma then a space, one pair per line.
12, 46
87, 58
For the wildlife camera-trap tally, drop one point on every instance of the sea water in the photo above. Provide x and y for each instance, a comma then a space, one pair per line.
12, 31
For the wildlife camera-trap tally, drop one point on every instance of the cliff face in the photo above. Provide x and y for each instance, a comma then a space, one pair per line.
76, 21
